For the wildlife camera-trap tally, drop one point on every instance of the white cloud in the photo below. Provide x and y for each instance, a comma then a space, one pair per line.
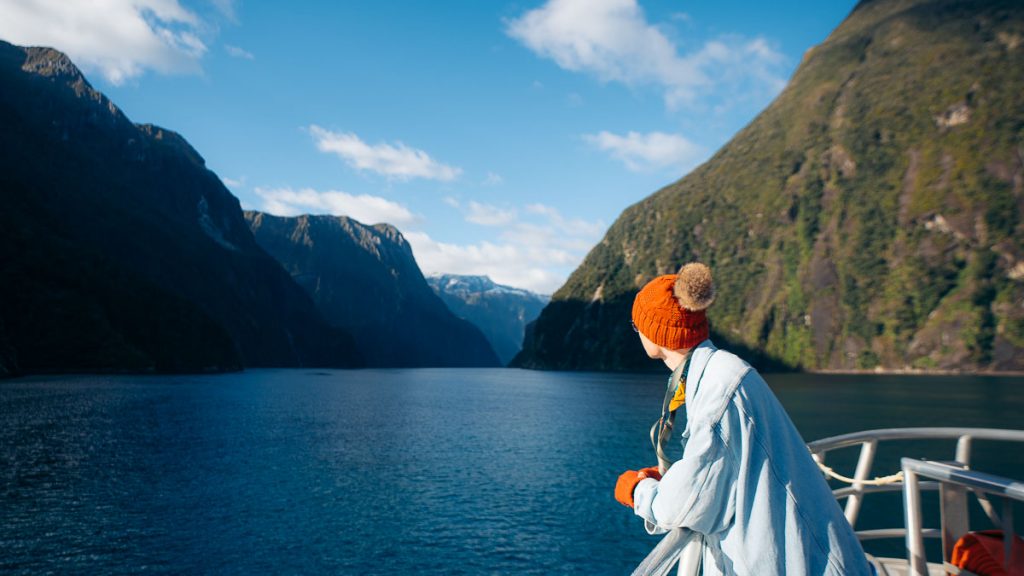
363, 207
227, 8
505, 263
488, 215
394, 161
543, 210
493, 179
233, 182
612, 40
536, 247
236, 52
651, 151
571, 227
751, 64
119, 38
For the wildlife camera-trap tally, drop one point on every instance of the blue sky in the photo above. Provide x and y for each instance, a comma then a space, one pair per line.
502, 138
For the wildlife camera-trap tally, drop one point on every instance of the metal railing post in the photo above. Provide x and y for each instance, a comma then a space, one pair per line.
953, 512
916, 560
667, 556
963, 450
864, 463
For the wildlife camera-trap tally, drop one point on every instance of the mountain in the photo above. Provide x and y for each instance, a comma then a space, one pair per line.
121, 251
365, 279
8, 361
869, 218
501, 312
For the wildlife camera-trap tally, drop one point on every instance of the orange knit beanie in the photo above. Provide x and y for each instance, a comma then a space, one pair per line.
669, 310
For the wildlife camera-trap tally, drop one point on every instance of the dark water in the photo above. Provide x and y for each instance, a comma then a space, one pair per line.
381, 472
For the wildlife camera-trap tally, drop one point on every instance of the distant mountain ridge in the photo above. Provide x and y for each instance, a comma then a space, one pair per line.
366, 280
121, 251
501, 312
869, 218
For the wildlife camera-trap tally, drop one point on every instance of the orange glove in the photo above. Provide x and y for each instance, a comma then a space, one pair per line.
628, 481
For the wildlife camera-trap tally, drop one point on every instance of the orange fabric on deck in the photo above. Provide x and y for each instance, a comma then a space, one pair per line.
982, 553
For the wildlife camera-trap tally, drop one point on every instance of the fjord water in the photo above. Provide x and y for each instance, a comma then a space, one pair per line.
432, 471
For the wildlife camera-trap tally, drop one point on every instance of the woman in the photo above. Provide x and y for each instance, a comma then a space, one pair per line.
746, 481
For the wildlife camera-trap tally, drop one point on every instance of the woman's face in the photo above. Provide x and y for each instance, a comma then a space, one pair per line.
654, 352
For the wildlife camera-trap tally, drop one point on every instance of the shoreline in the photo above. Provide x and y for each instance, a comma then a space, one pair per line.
913, 372
208, 372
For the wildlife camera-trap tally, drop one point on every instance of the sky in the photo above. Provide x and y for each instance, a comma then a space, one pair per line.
501, 138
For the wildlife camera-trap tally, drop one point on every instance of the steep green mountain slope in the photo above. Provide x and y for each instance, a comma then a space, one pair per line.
365, 280
500, 312
120, 250
869, 218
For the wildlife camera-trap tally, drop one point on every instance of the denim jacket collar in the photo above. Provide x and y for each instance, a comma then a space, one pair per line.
698, 362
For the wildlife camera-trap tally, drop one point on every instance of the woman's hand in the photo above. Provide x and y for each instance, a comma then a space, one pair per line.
651, 472
628, 481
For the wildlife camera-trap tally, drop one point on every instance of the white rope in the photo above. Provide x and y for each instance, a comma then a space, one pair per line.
882, 481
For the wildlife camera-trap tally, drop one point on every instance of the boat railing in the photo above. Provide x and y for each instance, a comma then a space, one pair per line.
680, 547
954, 480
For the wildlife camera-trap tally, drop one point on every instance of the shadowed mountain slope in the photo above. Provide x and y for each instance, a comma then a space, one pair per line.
121, 251
365, 279
869, 218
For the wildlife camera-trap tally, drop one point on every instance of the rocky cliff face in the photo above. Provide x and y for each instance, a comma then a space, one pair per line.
869, 218
365, 279
501, 312
121, 251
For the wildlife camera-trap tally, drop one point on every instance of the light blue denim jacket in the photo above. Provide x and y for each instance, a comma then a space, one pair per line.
747, 482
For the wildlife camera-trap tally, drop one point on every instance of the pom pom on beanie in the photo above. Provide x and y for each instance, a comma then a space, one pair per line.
693, 287
670, 310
